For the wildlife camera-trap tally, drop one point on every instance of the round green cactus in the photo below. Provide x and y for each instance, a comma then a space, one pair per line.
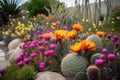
81, 76
94, 57
72, 64
96, 39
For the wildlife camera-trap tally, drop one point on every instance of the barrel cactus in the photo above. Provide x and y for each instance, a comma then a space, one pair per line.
96, 39
72, 64
94, 57
81, 76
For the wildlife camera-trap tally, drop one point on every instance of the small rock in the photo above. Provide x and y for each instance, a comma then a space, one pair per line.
2, 55
13, 44
49, 76
15, 54
7, 55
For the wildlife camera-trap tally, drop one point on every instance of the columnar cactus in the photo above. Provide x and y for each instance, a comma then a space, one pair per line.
72, 64
96, 39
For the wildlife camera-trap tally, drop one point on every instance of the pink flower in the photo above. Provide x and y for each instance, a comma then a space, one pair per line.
111, 57
40, 43
46, 42
52, 46
22, 55
46, 53
99, 62
40, 36
20, 64
50, 62
50, 52
32, 46
33, 55
56, 39
102, 56
104, 50
47, 38
27, 60
19, 58
41, 65
2, 71
41, 48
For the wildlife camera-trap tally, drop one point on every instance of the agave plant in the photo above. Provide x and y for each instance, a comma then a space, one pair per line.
8, 8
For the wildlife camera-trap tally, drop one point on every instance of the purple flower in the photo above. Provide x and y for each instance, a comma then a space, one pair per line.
50, 52
33, 55
27, 60
46, 42
111, 57
41, 48
41, 65
19, 58
104, 50
56, 39
46, 53
40, 36
2, 71
117, 44
20, 64
22, 55
32, 46
115, 38
52, 46
109, 36
35, 42
47, 38
23, 51
99, 62
102, 56
40, 43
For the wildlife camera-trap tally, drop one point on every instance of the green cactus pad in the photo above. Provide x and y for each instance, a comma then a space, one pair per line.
72, 64
96, 39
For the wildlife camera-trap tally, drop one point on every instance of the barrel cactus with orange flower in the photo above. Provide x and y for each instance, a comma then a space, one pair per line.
76, 62
96, 39
60, 34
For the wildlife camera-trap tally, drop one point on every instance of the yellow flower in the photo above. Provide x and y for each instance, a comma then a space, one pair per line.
72, 34
100, 33
87, 20
83, 20
60, 34
77, 27
89, 29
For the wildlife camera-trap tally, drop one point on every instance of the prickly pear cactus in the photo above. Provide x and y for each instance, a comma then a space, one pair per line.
81, 76
96, 39
72, 64
94, 57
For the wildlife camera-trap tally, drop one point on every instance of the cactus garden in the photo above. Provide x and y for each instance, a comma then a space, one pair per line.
45, 40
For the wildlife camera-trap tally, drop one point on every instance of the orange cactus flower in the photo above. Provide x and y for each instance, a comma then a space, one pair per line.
40, 15
60, 34
54, 24
77, 47
100, 33
72, 34
88, 45
77, 27
48, 34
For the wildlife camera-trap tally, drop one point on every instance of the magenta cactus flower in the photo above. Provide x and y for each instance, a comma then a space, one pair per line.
102, 56
117, 44
2, 71
111, 57
41, 48
47, 38
32, 46
22, 55
52, 46
115, 38
35, 42
20, 64
99, 62
104, 50
27, 60
33, 55
41, 65
19, 58
23, 51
